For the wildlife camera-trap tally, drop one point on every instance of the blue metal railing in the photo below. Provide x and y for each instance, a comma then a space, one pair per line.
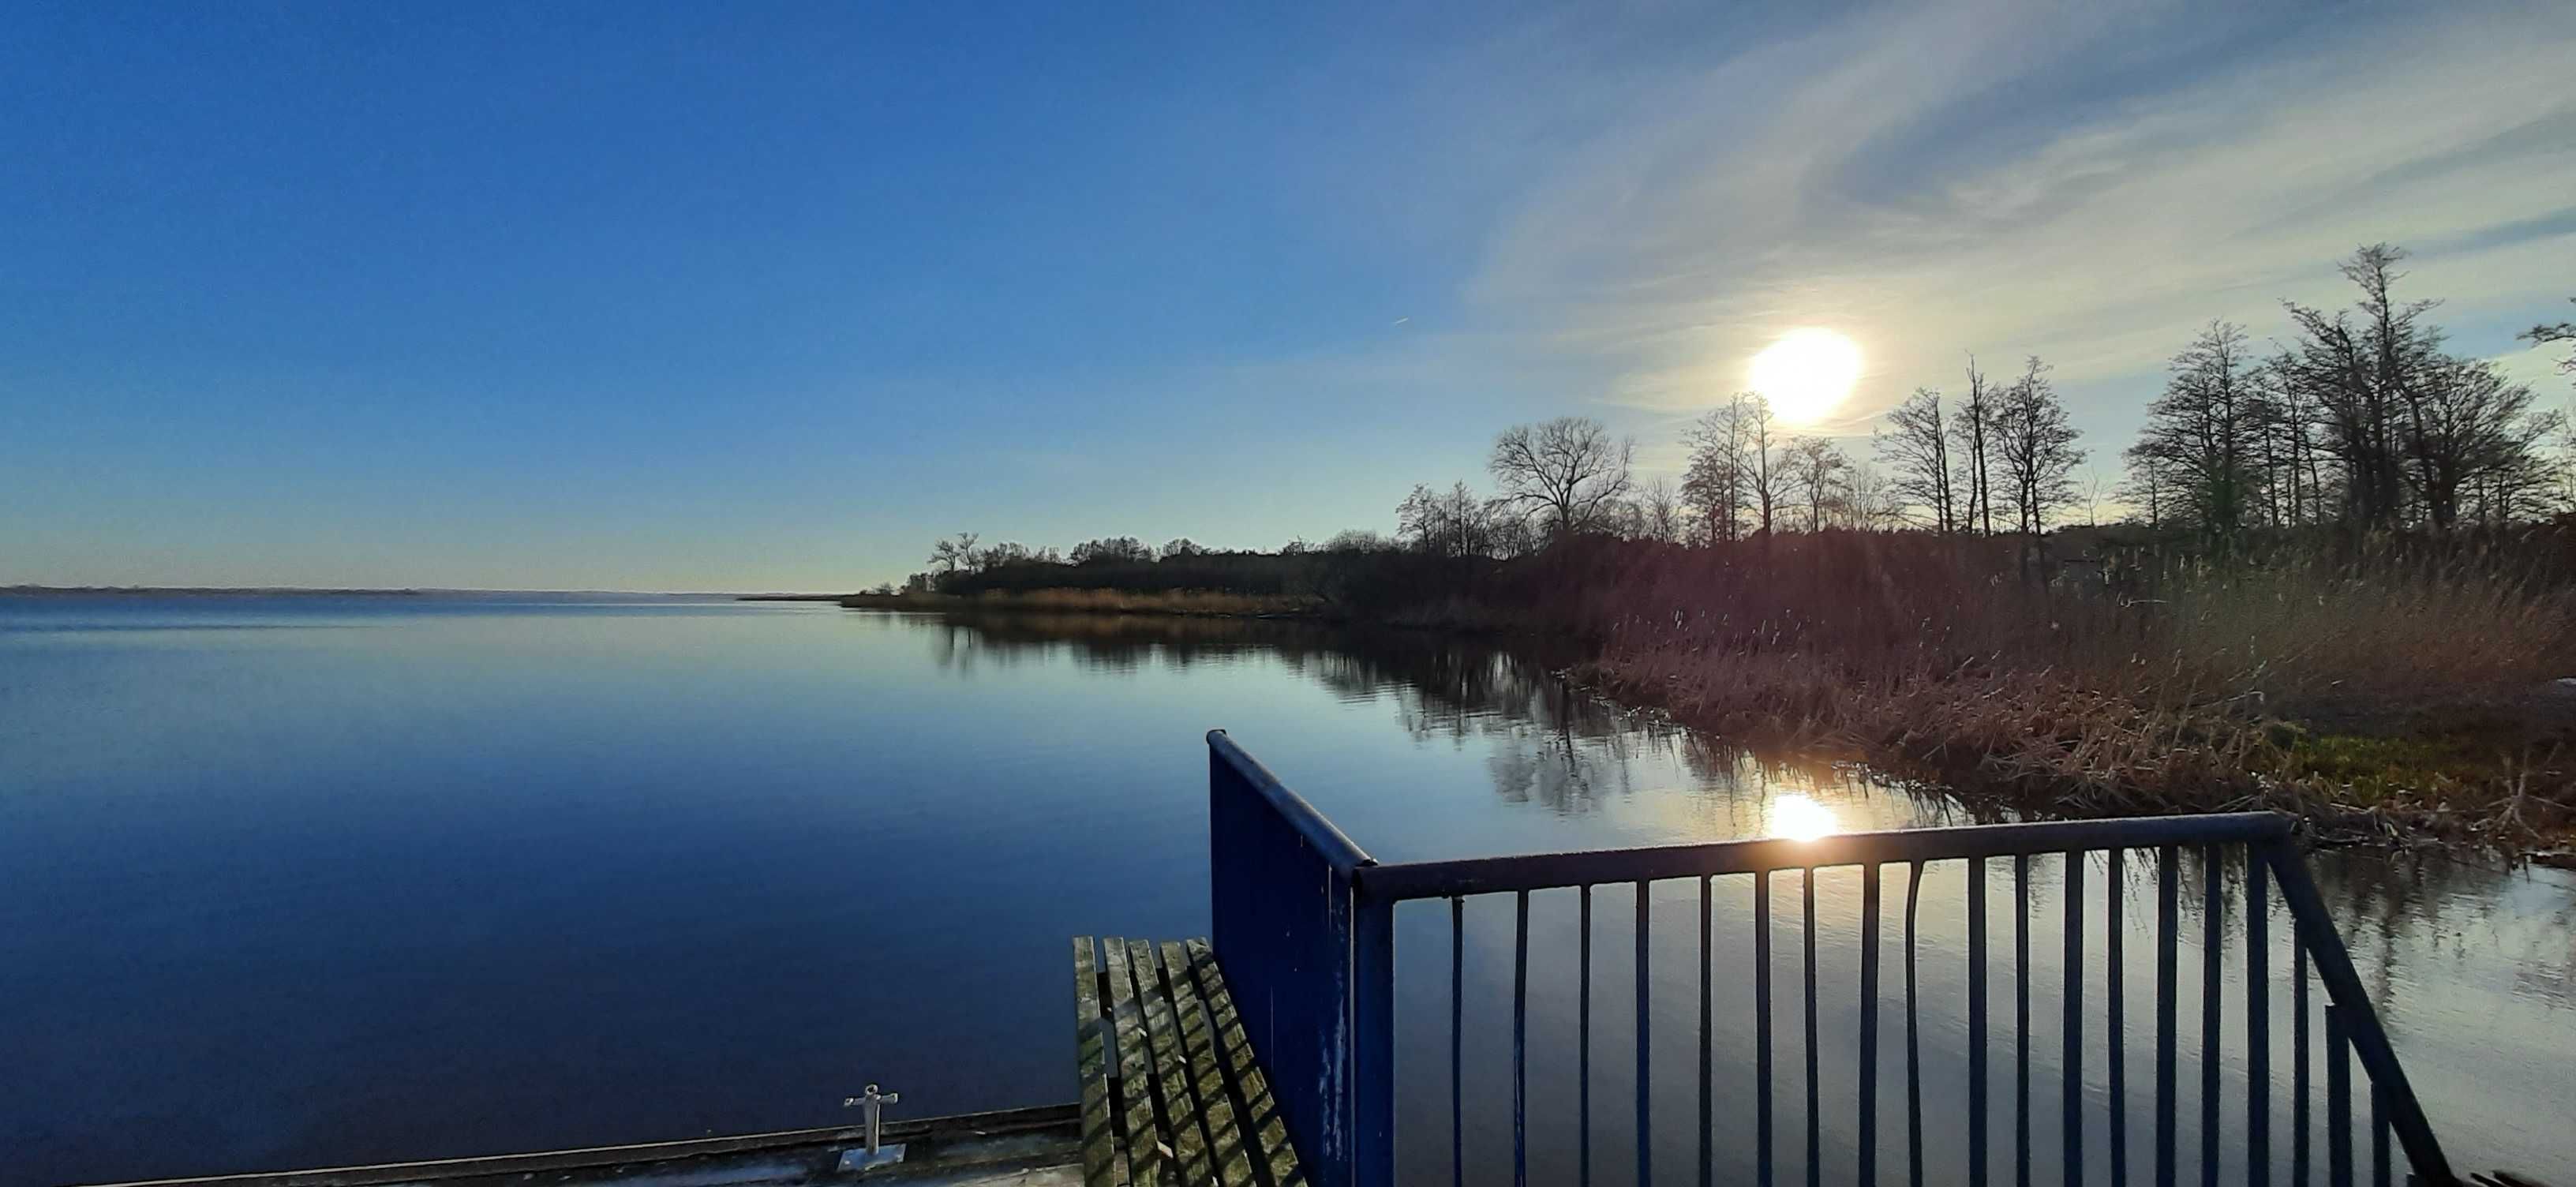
1297, 949
1304, 926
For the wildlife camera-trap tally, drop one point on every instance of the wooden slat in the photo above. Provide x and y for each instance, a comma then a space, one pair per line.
1145, 1158
1181, 1129
1102, 1163
1274, 1159
1206, 1084
1188, 1103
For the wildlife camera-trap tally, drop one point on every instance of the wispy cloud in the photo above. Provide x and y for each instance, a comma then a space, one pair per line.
2007, 179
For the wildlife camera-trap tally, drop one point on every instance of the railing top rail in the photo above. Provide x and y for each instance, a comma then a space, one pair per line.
1329, 840
1544, 871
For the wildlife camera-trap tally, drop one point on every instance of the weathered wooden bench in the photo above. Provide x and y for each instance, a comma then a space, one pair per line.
1171, 1091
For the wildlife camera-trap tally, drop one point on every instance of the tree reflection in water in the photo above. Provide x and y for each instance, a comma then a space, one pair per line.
1549, 742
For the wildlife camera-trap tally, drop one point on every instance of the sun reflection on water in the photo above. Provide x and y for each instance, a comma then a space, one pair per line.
1800, 818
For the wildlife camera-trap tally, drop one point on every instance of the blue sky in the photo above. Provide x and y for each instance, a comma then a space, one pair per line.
768, 296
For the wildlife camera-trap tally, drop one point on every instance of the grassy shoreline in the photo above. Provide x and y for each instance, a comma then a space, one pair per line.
2401, 705
2463, 776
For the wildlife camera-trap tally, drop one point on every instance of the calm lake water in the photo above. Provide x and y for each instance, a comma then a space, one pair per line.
300, 881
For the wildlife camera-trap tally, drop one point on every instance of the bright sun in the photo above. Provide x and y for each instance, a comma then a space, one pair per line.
1806, 374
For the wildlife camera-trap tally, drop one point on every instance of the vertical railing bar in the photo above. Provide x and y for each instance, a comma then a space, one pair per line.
2258, 1028
2299, 1120
1583, 1051
2213, 944
1372, 1021
1869, 939
1815, 1134
1913, 1045
2338, 1100
2361, 1025
2071, 1070
2168, 923
1762, 1028
1707, 1149
1457, 1080
1520, 1040
2380, 1170
1645, 1097
2021, 1020
1980, 1129
2114, 882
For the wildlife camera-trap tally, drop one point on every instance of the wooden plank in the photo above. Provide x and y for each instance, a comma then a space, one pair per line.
1102, 1163
1274, 1159
1145, 1158
1181, 1130
1206, 1084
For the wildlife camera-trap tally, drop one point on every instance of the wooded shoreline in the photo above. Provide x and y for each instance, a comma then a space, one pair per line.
2407, 701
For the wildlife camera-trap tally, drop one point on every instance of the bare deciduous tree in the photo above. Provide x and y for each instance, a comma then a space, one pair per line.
1871, 502
1570, 471
1454, 522
955, 554
1355, 540
2205, 433
1766, 480
2477, 444
2414, 435
2360, 375
1112, 550
1816, 470
2036, 445
1659, 511
2294, 465
2546, 332
2147, 489
1974, 427
1713, 486
1916, 446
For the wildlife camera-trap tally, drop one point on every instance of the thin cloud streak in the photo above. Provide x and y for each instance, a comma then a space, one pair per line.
1731, 206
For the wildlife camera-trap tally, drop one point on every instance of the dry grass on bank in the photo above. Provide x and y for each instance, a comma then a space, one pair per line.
2409, 703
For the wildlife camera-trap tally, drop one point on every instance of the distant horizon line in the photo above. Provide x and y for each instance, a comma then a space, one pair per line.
31, 588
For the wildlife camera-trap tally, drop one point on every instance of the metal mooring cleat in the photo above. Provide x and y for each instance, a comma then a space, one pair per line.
875, 1154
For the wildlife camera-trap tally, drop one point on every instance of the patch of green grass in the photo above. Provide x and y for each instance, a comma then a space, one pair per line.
2355, 757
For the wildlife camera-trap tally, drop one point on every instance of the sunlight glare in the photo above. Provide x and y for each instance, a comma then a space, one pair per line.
1800, 818
1806, 374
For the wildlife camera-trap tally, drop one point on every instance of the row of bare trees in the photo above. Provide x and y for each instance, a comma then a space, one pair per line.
2009, 443
1572, 476
1943, 468
2360, 418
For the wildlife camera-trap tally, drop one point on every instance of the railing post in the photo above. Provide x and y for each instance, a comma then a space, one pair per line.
1372, 1075
2350, 1002
1311, 970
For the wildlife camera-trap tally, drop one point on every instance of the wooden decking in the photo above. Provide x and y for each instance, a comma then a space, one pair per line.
1171, 1092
